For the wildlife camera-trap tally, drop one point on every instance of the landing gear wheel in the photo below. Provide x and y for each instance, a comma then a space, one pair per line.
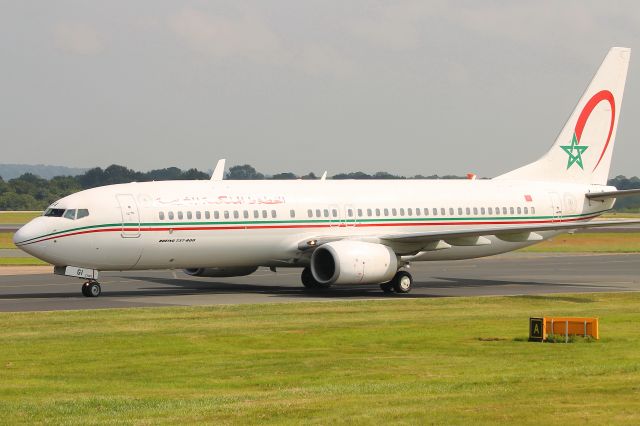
402, 282
95, 289
309, 281
91, 289
387, 287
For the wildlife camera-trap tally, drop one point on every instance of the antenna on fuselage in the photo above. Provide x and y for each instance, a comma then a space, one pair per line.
324, 176
218, 172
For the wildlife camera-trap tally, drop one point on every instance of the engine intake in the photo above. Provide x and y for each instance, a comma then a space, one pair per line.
221, 272
353, 262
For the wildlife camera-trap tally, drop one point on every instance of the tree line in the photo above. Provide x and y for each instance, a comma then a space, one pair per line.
31, 192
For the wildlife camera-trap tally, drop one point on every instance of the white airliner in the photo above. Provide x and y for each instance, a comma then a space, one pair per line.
340, 232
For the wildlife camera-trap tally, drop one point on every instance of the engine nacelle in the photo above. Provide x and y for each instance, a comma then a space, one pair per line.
240, 271
353, 262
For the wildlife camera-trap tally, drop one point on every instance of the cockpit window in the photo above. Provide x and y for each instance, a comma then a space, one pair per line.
70, 214
82, 213
54, 212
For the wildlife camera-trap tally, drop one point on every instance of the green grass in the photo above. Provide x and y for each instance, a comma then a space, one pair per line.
21, 261
17, 217
590, 243
6, 240
441, 360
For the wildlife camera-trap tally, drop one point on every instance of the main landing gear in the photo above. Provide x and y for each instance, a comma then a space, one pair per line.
91, 289
401, 283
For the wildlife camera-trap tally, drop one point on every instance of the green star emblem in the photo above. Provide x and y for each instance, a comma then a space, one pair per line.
577, 156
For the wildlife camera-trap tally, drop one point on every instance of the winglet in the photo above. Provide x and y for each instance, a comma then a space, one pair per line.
324, 176
218, 172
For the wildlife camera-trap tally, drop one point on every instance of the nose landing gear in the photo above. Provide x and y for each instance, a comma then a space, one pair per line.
91, 289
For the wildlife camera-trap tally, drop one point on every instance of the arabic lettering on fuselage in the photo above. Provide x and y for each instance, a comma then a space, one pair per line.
220, 200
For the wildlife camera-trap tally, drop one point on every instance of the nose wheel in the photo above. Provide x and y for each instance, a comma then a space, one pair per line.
91, 289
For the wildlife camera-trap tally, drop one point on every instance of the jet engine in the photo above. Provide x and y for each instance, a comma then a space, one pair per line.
353, 262
238, 271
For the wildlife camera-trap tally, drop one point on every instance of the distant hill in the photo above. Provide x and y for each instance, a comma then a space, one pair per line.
10, 171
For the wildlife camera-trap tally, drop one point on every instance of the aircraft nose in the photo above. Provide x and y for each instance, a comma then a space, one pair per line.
25, 237
21, 235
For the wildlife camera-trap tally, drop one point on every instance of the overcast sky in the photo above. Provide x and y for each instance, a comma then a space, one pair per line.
409, 87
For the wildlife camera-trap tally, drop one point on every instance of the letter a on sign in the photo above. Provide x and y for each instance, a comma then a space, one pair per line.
536, 333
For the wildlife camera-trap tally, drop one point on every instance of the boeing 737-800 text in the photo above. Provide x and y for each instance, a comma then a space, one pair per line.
340, 232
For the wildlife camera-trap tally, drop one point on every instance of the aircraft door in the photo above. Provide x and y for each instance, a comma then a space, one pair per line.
130, 216
556, 207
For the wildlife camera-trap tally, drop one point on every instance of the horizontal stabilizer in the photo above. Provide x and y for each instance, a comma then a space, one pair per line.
612, 194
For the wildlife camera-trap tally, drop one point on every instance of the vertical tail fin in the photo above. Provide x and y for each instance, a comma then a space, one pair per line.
583, 150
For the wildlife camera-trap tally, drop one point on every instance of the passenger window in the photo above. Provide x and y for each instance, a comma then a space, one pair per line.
386, 212
170, 215
426, 211
511, 210
264, 214
207, 215
369, 212
256, 214
533, 210
216, 214
409, 211
180, 215
189, 215
451, 211
417, 212
198, 215
273, 214
526, 210
292, 213
468, 211
435, 211
459, 211
226, 214
442, 212
497, 210
350, 212
236, 215
161, 215
475, 211
326, 212
245, 214
377, 212
519, 210
309, 213
359, 212
394, 212
482, 210
334, 213
82, 213
490, 210
70, 214
401, 211
504, 210
318, 213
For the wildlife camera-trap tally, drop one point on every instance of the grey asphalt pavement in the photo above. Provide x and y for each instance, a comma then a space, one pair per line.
510, 274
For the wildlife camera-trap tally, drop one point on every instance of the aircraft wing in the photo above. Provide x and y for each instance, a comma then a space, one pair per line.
505, 231
412, 241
